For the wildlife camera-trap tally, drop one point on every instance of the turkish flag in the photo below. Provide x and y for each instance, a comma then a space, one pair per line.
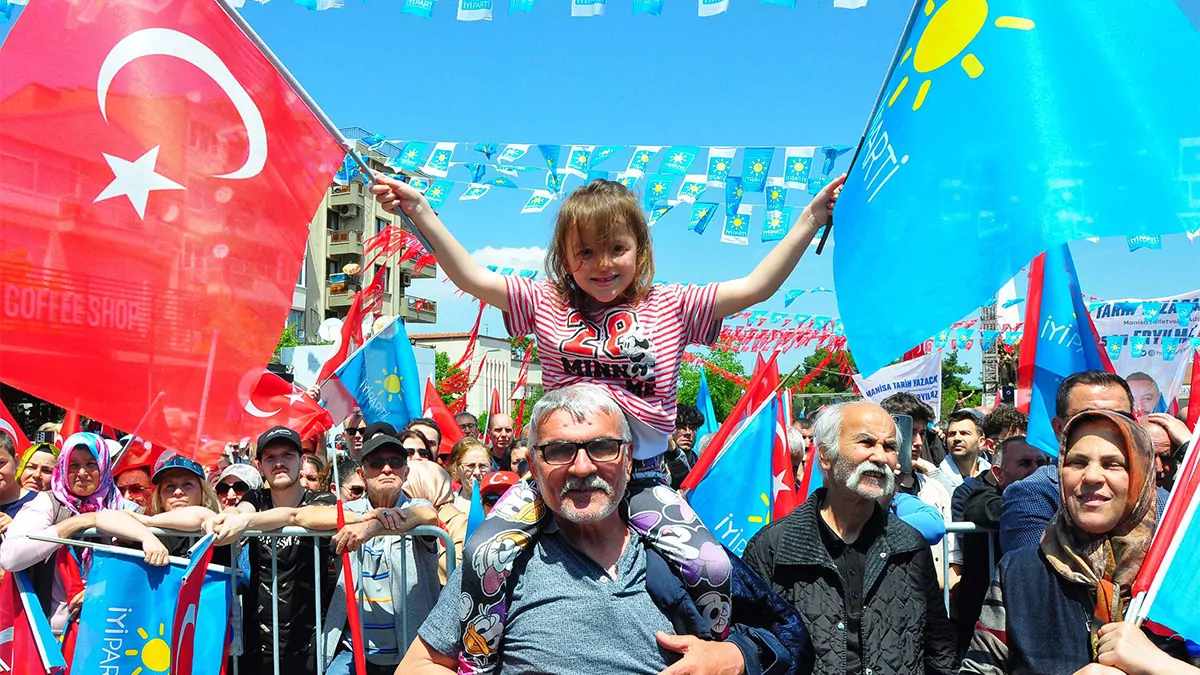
437, 411
277, 402
156, 181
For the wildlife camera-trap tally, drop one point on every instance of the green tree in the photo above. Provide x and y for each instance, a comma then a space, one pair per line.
827, 379
441, 371
957, 392
725, 394
288, 338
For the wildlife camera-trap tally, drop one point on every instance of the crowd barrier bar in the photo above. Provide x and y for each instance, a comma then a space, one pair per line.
419, 531
964, 528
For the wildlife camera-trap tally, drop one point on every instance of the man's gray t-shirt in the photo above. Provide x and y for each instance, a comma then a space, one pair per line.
567, 615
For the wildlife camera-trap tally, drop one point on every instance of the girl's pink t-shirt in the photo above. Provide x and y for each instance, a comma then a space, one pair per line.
632, 350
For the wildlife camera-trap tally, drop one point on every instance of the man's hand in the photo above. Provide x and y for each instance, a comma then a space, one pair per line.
1124, 646
5, 521
391, 519
393, 194
922, 465
350, 537
1177, 431
155, 553
228, 526
702, 657
314, 392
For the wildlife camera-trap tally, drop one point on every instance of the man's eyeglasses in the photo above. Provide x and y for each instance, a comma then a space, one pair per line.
561, 453
423, 453
137, 490
238, 487
356, 430
377, 463
356, 491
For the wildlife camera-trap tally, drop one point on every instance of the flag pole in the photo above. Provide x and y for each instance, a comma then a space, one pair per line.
912, 20
350, 147
136, 430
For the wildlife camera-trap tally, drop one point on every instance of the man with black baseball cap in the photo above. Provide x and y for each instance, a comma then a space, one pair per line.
284, 502
377, 559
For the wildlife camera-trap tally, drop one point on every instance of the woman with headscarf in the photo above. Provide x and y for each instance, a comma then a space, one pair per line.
1046, 605
427, 480
82, 495
37, 466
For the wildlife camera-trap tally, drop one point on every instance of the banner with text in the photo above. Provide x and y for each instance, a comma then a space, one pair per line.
921, 377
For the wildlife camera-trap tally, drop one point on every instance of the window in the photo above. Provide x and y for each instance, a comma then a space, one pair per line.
380, 225
333, 219
302, 280
386, 274
296, 320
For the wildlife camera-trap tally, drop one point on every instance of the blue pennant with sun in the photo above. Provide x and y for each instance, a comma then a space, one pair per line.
1005, 128
382, 377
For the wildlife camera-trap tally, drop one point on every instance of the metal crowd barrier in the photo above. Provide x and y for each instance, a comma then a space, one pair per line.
419, 531
961, 529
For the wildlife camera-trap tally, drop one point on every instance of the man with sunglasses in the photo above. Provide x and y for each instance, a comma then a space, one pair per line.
377, 560
354, 434
590, 595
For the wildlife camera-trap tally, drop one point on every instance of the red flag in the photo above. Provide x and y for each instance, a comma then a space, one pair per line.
18, 641
139, 454
436, 410
10, 427
495, 409
187, 609
70, 424
1193, 416
277, 402
67, 569
152, 240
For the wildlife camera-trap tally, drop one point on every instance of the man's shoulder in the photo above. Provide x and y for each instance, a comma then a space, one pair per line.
1043, 480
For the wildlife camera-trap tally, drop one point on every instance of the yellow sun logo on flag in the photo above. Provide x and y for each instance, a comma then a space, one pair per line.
766, 517
721, 166
391, 383
658, 188
155, 652
950, 31
758, 166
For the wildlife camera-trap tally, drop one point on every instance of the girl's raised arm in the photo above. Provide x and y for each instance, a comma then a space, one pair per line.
454, 259
738, 294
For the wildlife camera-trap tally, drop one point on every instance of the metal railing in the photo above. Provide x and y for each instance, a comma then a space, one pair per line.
965, 528
318, 638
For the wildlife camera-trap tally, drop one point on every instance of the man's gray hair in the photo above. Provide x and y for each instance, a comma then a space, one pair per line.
828, 429
795, 441
581, 401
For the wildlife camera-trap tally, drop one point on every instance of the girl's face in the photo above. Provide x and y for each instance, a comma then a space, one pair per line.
179, 489
83, 473
38, 471
603, 270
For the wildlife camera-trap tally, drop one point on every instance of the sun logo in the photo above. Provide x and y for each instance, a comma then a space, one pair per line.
391, 383
766, 517
155, 653
950, 31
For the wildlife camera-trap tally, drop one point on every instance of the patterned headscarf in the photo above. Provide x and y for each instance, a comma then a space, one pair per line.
106, 496
30, 451
1108, 562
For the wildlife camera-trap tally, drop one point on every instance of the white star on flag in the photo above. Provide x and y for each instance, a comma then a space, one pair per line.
778, 485
136, 180
295, 397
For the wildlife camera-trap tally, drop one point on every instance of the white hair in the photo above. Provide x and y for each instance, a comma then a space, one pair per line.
703, 443
827, 430
581, 401
795, 441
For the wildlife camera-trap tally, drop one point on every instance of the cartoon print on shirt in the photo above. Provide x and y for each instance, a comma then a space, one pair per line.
615, 349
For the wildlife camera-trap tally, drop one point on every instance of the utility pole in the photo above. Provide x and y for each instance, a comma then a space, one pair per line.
991, 357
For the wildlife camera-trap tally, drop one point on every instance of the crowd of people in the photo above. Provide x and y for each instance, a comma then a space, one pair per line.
590, 559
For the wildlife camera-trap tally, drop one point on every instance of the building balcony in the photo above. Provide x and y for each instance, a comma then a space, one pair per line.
345, 242
419, 310
346, 195
409, 267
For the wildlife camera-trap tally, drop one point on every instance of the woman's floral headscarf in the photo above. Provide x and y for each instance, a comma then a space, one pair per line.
106, 496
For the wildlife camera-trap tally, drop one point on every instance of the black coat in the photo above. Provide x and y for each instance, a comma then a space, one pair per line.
904, 627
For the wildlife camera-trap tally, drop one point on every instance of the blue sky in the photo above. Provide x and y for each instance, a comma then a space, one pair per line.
757, 75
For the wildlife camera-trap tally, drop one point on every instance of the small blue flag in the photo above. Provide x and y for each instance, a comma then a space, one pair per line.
756, 163
347, 172
702, 214
653, 7
1137, 346
733, 195
734, 498
678, 159
1034, 161
1170, 345
602, 153
438, 192
776, 194
658, 187
476, 515
1151, 310
790, 296
488, 149
1183, 311
705, 405
778, 223
421, 8
987, 339
382, 377
720, 162
1113, 344
413, 153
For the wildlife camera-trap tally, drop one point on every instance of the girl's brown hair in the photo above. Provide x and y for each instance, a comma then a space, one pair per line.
600, 210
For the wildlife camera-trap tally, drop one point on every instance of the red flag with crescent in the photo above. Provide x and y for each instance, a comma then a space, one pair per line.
187, 608
156, 183
276, 402
9, 426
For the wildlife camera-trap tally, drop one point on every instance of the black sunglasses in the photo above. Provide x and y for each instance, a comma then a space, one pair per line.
238, 487
356, 430
424, 453
560, 453
377, 463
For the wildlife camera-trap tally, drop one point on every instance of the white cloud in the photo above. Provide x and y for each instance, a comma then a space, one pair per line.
456, 311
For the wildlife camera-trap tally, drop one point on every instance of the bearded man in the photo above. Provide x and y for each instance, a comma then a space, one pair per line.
861, 578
